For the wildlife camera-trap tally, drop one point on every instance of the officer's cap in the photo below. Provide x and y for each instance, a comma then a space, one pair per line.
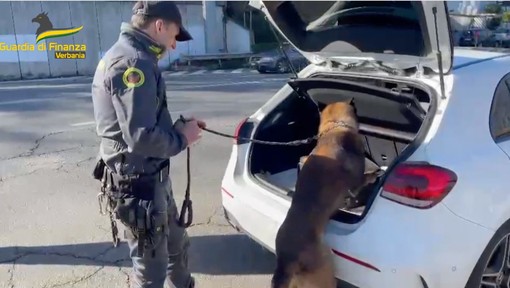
167, 10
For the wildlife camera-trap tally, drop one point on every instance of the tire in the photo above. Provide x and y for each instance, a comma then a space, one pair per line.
282, 67
488, 258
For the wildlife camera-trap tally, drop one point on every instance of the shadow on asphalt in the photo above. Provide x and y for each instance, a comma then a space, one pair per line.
210, 254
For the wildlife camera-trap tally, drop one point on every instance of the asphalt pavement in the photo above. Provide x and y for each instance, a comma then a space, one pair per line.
51, 232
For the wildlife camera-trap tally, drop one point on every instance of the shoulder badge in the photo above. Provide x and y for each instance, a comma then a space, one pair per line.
133, 77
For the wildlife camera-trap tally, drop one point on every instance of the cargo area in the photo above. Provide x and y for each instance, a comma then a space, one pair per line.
390, 116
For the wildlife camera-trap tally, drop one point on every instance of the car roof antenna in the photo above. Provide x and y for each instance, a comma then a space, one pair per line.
439, 55
282, 50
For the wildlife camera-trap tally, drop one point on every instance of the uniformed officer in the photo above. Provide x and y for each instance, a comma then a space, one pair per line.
138, 137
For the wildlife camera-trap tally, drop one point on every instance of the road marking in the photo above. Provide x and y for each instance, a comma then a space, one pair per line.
178, 73
198, 72
218, 72
41, 99
22, 85
240, 70
70, 96
83, 123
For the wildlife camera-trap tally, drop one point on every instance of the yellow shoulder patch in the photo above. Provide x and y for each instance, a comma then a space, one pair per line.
133, 77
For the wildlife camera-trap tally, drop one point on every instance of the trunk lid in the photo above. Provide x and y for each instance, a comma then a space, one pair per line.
399, 34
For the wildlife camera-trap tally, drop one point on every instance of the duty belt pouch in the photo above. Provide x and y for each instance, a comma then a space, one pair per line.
134, 198
99, 169
143, 187
130, 193
145, 224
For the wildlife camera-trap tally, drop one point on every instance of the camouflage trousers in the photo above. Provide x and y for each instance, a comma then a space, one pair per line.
169, 260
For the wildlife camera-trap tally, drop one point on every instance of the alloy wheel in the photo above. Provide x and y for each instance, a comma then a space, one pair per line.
497, 271
282, 67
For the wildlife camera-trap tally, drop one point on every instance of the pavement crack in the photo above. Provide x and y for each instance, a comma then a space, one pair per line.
21, 175
209, 220
26, 154
80, 279
37, 143
10, 283
71, 255
128, 279
61, 167
102, 263
78, 164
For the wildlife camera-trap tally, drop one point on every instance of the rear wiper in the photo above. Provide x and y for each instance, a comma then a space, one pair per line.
374, 64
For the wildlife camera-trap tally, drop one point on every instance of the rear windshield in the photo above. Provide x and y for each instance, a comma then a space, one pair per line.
351, 26
330, 13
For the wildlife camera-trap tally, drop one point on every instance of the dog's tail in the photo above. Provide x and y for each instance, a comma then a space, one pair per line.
282, 277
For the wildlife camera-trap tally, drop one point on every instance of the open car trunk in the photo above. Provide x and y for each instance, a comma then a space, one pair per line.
391, 116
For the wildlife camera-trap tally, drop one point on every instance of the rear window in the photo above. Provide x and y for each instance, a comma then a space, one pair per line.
351, 26
499, 121
328, 14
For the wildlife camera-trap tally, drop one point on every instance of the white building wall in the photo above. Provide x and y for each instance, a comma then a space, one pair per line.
101, 26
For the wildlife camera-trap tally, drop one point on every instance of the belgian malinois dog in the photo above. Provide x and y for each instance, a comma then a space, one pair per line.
333, 170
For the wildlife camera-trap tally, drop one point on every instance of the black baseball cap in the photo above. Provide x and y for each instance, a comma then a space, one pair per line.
166, 10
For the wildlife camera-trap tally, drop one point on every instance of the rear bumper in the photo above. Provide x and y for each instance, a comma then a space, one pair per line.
233, 222
394, 246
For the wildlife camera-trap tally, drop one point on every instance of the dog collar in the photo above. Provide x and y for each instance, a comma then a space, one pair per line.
338, 123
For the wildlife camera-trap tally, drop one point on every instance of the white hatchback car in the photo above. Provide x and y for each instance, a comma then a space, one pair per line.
438, 216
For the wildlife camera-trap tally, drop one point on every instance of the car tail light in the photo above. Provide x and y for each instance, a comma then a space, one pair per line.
242, 132
418, 185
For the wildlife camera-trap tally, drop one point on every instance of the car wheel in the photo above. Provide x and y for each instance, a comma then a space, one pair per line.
493, 268
282, 67
261, 71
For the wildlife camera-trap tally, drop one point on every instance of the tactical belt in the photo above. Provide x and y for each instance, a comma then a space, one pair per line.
141, 186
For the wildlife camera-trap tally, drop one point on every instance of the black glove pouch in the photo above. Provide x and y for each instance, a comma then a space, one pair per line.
134, 207
142, 188
98, 170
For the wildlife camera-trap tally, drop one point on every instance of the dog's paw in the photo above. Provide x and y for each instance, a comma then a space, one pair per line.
370, 178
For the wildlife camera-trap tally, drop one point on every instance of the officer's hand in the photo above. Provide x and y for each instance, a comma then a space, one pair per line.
191, 131
201, 124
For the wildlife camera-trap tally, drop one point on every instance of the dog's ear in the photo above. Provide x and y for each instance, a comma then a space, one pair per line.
351, 102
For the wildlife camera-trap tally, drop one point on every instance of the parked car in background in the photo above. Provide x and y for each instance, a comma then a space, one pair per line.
474, 37
500, 38
274, 61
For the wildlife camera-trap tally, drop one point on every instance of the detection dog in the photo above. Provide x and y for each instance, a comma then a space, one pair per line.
333, 170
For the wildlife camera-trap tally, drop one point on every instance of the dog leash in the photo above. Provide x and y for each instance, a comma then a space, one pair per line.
289, 143
187, 205
186, 215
